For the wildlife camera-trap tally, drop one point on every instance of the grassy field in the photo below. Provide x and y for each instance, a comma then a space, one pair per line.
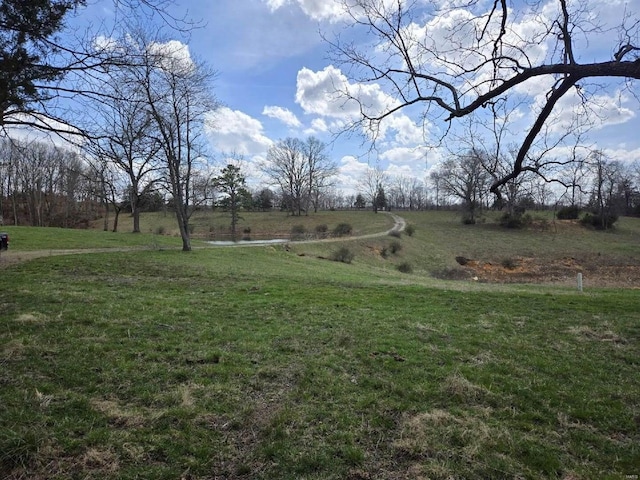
270, 362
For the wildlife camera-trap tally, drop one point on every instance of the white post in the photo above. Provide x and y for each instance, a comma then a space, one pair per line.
580, 282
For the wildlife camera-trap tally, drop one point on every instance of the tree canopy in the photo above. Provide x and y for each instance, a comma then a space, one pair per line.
27, 45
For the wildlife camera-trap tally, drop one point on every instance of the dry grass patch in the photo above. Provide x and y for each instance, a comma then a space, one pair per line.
13, 349
32, 318
585, 332
100, 460
482, 358
439, 439
459, 387
123, 416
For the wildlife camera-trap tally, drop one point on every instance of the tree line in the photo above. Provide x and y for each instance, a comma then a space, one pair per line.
42, 184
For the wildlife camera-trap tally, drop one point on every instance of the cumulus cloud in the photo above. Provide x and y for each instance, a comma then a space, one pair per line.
318, 126
235, 131
405, 155
172, 55
408, 171
285, 116
351, 171
600, 111
330, 10
329, 94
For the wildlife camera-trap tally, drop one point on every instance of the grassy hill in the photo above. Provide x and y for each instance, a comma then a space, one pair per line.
273, 362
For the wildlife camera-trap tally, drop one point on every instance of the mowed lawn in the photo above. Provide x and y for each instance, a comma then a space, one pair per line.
261, 363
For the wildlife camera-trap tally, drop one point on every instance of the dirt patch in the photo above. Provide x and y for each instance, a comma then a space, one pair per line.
596, 271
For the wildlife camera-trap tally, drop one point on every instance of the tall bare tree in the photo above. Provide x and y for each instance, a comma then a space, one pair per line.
464, 177
121, 127
373, 182
302, 170
176, 94
456, 60
321, 170
287, 168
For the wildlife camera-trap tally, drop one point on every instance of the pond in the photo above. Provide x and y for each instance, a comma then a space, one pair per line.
227, 243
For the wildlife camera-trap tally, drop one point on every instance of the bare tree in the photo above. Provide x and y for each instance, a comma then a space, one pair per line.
175, 91
44, 184
372, 183
465, 178
606, 178
456, 61
417, 194
321, 170
435, 178
286, 167
302, 170
121, 132
108, 187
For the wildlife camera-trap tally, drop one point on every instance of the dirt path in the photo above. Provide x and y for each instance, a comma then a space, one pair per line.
13, 257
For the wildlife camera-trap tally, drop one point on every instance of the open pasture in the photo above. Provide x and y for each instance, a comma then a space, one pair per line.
271, 362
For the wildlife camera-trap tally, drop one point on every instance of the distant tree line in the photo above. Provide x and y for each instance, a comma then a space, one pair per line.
42, 184
602, 187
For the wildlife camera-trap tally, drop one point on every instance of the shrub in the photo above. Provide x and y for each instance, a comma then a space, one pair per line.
405, 267
395, 233
462, 260
384, 252
410, 230
509, 263
297, 232
342, 229
515, 220
600, 222
572, 212
321, 230
343, 255
160, 230
395, 247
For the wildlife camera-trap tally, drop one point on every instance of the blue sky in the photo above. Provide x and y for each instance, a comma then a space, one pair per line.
274, 76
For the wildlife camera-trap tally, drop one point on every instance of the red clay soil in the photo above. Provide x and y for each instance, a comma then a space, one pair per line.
596, 272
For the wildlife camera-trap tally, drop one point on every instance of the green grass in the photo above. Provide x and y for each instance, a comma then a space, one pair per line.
259, 363
23, 239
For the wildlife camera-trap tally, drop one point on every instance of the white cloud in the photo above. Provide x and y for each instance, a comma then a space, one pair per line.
599, 112
173, 55
407, 132
394, 170
329, 94
331, 10
38, 128
103, 43
351, 171
235, 131
318, 126
285, 116
405, 156
623, 155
